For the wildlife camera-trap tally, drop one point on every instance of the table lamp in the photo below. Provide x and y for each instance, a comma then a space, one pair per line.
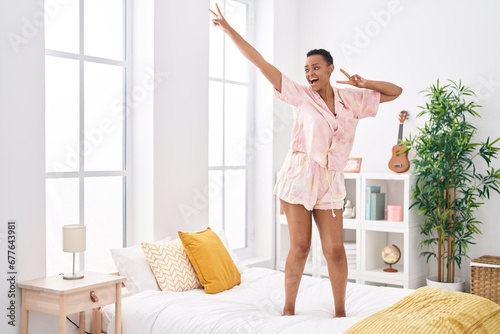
74, 240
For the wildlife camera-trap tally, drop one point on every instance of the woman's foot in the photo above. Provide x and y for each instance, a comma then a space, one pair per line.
340, 314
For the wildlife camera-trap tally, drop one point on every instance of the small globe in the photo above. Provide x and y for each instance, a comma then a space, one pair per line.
391, 255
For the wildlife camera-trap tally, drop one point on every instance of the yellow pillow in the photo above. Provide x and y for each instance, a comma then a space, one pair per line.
171, 266
211, 260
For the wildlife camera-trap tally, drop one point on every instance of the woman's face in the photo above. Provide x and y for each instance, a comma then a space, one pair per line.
317, 72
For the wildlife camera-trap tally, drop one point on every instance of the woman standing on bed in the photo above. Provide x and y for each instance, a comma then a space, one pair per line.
311, 181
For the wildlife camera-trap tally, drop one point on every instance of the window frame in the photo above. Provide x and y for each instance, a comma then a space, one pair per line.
125, 172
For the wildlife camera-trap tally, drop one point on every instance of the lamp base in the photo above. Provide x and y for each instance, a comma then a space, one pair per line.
73, 276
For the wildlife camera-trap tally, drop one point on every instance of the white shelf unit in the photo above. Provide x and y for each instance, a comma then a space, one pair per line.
365, 239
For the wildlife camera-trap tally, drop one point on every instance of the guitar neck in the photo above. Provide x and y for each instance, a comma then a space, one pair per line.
400, 134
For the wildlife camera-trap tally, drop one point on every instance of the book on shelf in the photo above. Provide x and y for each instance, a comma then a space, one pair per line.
377, 206
370, 190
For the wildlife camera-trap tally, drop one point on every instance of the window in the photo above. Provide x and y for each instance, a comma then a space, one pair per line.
230, 123
86, 68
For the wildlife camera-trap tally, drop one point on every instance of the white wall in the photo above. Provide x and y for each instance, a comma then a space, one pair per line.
411, 43
180, 128
22, 148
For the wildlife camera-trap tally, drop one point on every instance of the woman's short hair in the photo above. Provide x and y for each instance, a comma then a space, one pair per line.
322, 52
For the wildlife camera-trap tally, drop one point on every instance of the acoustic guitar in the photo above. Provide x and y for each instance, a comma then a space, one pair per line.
399, 162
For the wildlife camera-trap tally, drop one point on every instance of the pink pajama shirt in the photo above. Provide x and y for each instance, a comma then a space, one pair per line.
312, 174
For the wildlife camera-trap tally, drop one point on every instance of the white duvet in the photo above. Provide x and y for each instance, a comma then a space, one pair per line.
252, 307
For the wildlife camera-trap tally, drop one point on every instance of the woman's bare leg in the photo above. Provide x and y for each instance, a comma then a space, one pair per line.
299, 228
330, 231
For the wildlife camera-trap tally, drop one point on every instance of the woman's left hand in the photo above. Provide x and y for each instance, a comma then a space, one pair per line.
218, 19
354, 80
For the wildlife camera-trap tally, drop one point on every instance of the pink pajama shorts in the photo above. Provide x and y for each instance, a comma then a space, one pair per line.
303, 181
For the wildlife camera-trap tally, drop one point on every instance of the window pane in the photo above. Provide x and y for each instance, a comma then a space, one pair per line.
215, 124
235, 126
103, 131
62, 22
234, 208
104, 220
236, 64
215, 210
216, 47
62, 107
62, 208
104, 29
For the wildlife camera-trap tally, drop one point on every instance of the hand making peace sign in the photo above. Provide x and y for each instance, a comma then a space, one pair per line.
219, 19
354, 80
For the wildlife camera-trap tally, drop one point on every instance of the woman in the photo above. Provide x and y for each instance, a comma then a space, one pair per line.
311, 182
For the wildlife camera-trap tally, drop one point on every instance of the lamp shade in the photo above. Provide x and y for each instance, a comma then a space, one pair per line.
74, 238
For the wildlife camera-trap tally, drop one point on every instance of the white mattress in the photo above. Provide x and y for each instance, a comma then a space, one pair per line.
254, 306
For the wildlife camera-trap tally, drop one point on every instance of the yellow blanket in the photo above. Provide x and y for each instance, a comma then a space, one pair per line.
431, 310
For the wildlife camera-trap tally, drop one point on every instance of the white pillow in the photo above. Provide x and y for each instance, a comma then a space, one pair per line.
133, 265
234, 257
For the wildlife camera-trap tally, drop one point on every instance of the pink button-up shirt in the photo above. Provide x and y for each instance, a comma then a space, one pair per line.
325, 138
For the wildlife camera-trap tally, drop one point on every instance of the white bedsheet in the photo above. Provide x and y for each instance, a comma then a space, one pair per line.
254, 306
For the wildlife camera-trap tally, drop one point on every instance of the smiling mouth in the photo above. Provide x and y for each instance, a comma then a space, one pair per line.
313, 81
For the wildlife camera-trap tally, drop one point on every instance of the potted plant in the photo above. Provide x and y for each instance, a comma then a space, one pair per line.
453, 174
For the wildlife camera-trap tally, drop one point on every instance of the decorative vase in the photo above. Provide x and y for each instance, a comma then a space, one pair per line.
457, 285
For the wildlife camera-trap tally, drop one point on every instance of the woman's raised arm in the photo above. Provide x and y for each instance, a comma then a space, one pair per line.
270, 72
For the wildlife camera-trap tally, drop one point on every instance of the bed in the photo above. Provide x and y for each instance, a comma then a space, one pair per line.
254, 305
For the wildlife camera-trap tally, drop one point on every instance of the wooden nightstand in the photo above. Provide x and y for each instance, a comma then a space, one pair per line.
57, 296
